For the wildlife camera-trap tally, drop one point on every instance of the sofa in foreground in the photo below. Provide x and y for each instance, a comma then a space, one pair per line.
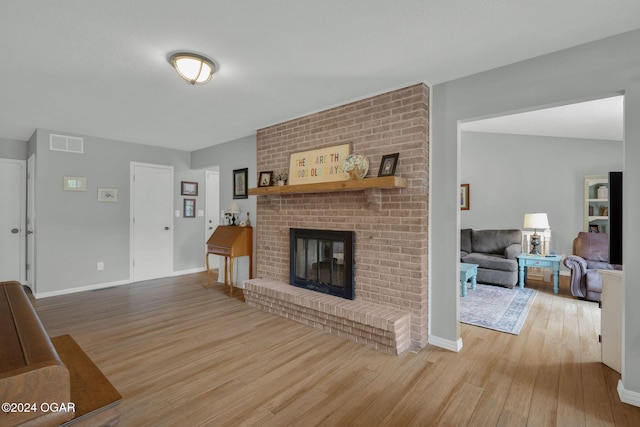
495, 252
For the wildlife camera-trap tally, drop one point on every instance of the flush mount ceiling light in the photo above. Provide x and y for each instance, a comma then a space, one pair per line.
194, 68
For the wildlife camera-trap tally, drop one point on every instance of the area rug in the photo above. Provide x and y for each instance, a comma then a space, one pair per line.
497, 308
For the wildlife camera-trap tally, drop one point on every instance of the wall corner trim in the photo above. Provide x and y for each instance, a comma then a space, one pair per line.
628, 396
445, 343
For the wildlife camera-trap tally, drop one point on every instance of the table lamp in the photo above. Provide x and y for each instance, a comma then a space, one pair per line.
234, 210
537, 221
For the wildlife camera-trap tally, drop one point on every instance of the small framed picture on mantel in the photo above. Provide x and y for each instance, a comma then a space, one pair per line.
388, 165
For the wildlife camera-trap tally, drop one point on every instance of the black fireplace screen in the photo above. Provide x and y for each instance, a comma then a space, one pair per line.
322, 260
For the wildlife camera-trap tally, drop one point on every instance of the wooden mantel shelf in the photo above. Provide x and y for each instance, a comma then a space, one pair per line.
327, 187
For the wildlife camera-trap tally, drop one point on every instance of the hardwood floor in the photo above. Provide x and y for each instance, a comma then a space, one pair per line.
184, 355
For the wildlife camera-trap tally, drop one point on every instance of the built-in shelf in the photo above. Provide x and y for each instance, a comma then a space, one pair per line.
384, 182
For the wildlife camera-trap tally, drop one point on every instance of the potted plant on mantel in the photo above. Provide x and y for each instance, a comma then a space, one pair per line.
281, 177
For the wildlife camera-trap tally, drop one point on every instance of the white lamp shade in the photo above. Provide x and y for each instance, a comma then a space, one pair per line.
537, 221
233, 208
195, 69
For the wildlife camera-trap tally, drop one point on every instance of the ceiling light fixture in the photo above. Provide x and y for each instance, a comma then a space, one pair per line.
195, 69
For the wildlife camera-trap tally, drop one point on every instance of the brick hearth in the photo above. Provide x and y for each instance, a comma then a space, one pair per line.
374, 325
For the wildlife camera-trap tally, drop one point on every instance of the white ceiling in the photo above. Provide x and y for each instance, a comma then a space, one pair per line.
598, 119
100, 67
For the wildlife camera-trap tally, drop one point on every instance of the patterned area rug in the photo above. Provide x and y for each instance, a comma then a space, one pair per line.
497, 308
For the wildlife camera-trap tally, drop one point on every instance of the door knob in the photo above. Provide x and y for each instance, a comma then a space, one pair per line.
166, 228
15, 231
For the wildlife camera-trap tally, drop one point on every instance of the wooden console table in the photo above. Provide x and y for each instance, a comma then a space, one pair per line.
230, 241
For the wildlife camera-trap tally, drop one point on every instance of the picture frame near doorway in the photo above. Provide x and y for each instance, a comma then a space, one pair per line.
240, 187
107, 195
189, 208
188, 188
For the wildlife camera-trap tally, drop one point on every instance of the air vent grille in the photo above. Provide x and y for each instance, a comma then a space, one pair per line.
70, 144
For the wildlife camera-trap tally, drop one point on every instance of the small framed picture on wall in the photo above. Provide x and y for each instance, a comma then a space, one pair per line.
464, 197
240, 188
189, 208
189, 188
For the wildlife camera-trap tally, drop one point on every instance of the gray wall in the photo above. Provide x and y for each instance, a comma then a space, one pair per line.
510, 175
602, 68
74, 231
236, 154
13, 149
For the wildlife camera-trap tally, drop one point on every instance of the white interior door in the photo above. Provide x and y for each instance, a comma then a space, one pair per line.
31, 222
212, 216
12, 214
151, 221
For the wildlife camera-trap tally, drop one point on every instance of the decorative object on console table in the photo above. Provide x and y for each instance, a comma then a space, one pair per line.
388, 165
265, 179
240, 186
537, 221
464, 197
233, 210
355, 166
188, 188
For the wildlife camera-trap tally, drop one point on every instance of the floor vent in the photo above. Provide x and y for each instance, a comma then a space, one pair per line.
69, 144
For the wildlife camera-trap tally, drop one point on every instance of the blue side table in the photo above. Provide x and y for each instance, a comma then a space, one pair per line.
542, 261
467, 271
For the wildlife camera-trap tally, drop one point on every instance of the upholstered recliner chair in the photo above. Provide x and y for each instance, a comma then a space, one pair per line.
590, 254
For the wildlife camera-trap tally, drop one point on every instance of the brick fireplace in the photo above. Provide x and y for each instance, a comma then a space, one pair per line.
390, 225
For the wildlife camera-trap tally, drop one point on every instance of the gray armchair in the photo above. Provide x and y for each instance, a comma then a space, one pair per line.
590, 254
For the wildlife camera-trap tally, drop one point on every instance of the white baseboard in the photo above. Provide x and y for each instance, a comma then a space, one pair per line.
446, 344
39, 295
190, 271
628, 396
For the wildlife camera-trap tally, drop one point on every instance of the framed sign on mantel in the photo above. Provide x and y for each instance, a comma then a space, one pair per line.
321, 165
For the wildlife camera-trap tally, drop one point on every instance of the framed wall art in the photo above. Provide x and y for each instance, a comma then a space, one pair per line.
75, 183
188, 188
107, 195
388, 165
240, 188
320, 165
189, 208
464, 197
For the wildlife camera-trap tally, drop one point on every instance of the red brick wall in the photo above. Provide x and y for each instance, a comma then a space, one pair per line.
391, 238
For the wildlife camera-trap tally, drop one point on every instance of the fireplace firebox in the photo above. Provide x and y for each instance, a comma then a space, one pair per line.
322, 260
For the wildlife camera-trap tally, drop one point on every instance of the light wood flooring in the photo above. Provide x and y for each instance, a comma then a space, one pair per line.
184, 355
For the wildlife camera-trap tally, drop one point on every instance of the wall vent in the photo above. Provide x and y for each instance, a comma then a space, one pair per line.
69, 144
